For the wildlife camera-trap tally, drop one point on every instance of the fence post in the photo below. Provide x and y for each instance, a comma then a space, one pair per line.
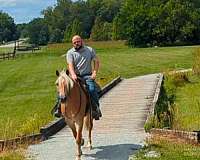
14, 52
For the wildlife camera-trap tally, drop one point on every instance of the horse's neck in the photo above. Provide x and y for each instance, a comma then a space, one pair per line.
75, 94
75, 100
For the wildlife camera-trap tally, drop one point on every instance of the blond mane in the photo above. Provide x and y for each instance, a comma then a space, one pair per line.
70, 82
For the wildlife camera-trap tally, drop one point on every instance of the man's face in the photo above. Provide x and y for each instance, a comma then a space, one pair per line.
77, 43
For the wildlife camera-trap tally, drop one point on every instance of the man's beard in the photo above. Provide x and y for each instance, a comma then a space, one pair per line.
78, 48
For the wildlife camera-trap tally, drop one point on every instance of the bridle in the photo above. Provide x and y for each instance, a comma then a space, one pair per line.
62, 98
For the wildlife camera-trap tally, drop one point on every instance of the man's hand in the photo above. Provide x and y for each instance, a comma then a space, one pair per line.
74, 77
94, 74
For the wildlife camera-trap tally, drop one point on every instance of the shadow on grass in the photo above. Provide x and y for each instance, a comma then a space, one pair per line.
114, 152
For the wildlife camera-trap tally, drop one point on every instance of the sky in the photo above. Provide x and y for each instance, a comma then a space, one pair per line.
23, 11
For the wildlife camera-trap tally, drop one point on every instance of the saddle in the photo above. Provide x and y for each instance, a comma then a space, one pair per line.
96, 113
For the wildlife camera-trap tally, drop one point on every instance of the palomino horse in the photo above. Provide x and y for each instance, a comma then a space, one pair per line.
74, 102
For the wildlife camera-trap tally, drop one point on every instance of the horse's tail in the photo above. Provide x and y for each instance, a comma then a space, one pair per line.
88, 122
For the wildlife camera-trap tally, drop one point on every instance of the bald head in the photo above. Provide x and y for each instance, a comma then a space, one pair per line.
76, 37
77, 42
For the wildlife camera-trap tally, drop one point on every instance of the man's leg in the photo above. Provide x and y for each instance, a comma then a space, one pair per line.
94, 97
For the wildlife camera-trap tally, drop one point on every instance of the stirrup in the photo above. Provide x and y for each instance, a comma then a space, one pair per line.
58, 113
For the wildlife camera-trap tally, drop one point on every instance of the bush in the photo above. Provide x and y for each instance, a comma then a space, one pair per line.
149, 124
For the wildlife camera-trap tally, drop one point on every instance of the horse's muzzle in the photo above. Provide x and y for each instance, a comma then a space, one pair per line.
62, 99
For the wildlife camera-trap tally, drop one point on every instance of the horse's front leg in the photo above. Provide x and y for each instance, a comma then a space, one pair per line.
79, 140
89, 144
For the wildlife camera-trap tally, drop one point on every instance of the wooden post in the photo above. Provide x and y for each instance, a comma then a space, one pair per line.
14, 52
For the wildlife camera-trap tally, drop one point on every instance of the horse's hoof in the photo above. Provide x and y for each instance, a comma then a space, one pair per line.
89, 146
82, 142
78, 158
79, 154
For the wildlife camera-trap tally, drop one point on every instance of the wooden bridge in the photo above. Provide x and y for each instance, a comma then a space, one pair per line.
118, 134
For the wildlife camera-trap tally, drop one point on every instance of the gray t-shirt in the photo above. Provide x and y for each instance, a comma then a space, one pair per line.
81, 59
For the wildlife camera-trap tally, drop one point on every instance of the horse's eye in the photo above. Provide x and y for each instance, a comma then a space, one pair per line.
56, 84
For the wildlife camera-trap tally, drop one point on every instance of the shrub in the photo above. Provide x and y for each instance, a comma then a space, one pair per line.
31, 125
149, 124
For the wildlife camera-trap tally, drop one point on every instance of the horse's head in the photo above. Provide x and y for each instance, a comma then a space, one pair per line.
64, 85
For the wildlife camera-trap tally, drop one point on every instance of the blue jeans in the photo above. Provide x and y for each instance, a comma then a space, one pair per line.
92, 89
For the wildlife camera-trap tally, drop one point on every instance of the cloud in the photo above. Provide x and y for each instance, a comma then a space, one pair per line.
6, 3
12, 3
25, 10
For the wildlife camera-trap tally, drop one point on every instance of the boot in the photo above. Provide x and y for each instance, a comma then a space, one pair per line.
56, 111
96, 112
95, 115
99, 111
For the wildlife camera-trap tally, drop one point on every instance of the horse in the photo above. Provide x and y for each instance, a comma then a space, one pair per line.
74, 108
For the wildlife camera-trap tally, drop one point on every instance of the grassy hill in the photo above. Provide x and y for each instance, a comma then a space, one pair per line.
27, 89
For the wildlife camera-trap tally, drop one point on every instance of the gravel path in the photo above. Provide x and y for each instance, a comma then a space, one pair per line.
118, 134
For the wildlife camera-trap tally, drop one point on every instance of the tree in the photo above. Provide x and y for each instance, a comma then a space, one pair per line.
109, 9
101, 30
73, 29
56, 36
57, 19
43, 37
62, 16
38, 32
7, 28
22, 30
116, 29
97, 29
159, 22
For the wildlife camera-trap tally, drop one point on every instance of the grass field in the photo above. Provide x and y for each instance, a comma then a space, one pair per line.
187, 105
165, 149
13, 155
6, 50
27, 89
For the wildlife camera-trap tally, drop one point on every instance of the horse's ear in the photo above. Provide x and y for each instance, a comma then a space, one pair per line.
57, 73
67, 72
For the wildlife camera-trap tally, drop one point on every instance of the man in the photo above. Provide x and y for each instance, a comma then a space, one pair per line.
83, 62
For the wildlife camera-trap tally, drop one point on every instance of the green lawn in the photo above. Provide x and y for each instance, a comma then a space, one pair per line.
12, 155
187, 105
6, 50
168, 150
27, 89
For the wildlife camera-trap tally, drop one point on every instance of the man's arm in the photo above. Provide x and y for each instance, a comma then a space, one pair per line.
95, 68
71, 71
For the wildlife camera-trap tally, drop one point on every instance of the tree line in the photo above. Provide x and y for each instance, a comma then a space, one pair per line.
142, 23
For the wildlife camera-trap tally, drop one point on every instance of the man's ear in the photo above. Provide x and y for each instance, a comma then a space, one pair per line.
57, 73
67, 72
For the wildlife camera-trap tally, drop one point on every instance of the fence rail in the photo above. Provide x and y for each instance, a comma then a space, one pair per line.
4, 56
